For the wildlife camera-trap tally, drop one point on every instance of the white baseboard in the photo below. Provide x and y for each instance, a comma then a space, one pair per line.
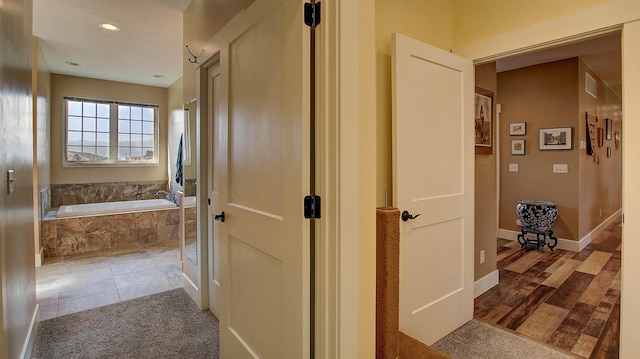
485, 283
31, 335
569, 244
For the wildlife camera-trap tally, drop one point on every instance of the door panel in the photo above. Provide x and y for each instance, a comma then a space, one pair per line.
264, 173
433, 172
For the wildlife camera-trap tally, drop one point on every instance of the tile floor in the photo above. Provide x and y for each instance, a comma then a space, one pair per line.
70, 284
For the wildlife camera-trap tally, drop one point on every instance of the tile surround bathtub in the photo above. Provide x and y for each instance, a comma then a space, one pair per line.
80, 193
60, 237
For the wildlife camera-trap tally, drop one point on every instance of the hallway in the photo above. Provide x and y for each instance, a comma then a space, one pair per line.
568, 300
71, 284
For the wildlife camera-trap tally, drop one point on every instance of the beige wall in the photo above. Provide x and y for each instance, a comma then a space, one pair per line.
201, 20
543, 96
600, 185
61, 86
485, 188
175, 127
479, 19
41, 87
427, 21
17, 266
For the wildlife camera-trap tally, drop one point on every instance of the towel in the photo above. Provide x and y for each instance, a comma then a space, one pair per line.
179, 163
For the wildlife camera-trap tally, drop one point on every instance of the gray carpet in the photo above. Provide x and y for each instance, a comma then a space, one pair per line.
163, 325
478, 340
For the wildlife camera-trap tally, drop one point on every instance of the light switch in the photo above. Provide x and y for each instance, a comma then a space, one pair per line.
513, 167
560, 168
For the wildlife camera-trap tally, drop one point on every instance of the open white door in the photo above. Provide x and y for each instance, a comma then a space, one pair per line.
213, 243
433, 176
262, 174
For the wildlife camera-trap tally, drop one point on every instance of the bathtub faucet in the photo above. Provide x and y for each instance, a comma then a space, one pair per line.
169, 196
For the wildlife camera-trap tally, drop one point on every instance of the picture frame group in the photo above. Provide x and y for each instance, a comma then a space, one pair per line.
518, 147
517, 128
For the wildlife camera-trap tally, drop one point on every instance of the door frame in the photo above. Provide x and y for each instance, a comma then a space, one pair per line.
610, 17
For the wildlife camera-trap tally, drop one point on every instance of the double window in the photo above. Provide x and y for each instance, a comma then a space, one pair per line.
110, 133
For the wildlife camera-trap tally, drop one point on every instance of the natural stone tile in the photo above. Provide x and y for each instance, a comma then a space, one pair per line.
130, 279
146, 219
75, 305
144, 289
87, 287
71, 227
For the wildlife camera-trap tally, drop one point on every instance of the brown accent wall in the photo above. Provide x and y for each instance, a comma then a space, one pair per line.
17, 260
485, 187
600, 185
201, 20
63, 85
553, 95
543, 96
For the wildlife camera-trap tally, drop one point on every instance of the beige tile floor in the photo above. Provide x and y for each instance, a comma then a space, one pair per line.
71, 284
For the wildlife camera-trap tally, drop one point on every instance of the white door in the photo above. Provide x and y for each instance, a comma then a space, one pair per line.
433, 140
213, 244
262, 168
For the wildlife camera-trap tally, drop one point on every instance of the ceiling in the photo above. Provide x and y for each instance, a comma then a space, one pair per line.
603, 54
148, 44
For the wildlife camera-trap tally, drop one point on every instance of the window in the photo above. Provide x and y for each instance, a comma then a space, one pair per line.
110, 133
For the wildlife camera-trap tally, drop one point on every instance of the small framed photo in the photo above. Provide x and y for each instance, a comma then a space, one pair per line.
609, 152
517, 147
517, 128
558, 138
609, 128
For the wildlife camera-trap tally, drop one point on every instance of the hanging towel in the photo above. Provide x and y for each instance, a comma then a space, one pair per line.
179, 163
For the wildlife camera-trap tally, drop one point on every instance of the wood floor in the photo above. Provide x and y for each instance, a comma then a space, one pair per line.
568, 300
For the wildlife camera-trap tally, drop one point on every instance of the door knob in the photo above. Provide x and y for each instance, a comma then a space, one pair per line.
407, 216
219, 217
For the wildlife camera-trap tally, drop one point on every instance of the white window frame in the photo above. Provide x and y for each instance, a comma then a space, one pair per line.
113, 136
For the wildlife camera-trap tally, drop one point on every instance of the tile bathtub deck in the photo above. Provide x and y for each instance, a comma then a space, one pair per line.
71, 284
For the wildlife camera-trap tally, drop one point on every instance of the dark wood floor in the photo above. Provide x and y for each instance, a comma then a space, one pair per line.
569, 301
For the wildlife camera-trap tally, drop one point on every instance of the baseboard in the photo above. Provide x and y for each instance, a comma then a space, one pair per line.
39, 259
569, 244
485, 283
31, 335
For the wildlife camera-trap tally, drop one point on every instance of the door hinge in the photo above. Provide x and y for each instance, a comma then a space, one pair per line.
312, 206
312, 14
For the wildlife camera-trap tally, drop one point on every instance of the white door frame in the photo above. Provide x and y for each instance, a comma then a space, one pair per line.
603, 19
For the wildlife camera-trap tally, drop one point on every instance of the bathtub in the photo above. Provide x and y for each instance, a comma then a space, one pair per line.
94, 227
92, 209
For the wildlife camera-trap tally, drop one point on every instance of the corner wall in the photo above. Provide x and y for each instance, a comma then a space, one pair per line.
543, 96
486, 202
63, 85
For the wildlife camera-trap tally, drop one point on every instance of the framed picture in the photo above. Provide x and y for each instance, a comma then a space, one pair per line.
600, 137
518, 128
609, 129
558, 138
517, 147
484, 121
609, 152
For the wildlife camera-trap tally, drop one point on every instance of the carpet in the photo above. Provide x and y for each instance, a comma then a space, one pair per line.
478, 340
163, 325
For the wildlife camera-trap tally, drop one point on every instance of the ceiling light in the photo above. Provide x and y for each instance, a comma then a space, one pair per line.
110, 27
71, 63
158, 76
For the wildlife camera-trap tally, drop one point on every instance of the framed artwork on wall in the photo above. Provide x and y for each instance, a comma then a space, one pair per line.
517, 128
517, 147
609, 128
558, 138
483, 121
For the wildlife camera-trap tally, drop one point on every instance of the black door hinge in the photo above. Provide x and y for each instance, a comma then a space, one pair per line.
312, 207
312, 14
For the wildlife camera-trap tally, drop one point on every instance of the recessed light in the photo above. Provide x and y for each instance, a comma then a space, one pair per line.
110, 27
71, 63
158, 76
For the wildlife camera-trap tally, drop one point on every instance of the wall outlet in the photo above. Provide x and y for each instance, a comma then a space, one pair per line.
513, 167
482, 256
